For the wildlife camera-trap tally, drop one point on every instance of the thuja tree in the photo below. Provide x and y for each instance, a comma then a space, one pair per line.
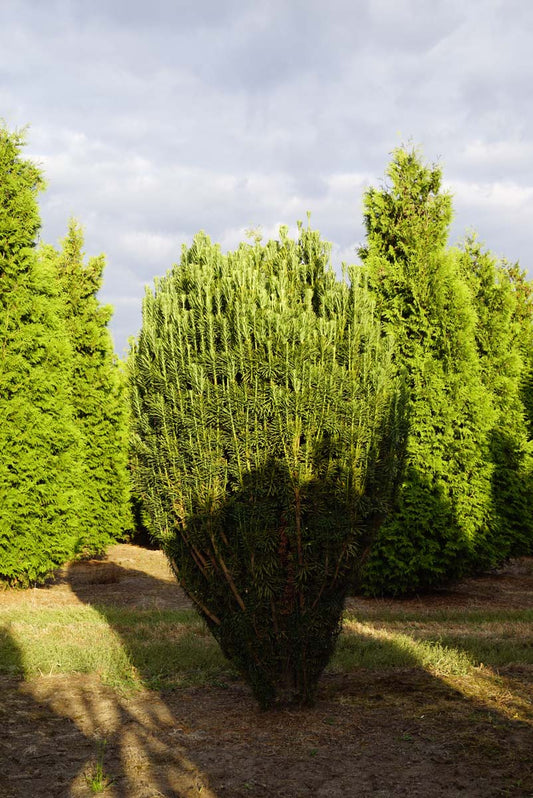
98, 394
264, 442
39, 442
441, 524
523, 317
503, 325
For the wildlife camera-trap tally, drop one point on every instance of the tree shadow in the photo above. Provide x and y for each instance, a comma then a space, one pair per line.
57, 731
471, 726
447, 658
34, 740
466, 726
382, 725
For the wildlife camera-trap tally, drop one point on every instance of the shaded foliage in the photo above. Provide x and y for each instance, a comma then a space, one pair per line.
266, 440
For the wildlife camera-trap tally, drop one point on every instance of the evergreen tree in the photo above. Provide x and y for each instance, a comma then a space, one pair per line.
523, 316
39, 441
264, 442
98, 394
442, 522
503, 325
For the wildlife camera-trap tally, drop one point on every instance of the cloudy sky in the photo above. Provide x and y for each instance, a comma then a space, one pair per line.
153, 120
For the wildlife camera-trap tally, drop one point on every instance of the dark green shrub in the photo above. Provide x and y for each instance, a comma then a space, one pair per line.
265, 433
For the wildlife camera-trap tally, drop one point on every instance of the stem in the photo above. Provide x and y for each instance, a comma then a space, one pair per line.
326, 566
343, 553
299, 542
204, 609
274, 618
227, 574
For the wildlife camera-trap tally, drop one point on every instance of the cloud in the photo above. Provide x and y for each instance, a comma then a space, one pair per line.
506, 197
492, 210
154, 121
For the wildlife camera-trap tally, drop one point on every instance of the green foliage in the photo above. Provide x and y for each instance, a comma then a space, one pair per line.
442, 522
265, 440
523, 317
39, 441
98, 394
63, 437
501, 332
97, 780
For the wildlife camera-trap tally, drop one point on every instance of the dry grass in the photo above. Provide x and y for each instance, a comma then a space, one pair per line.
426, 697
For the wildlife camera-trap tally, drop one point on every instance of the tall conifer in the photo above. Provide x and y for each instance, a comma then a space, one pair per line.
523, 317
98, 394
503, 326
441, 524
39, 442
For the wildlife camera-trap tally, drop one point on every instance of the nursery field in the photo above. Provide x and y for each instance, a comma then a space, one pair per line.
111, 685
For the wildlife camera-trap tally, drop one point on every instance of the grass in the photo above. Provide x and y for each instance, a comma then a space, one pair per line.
367, 646
97, 780
164, 649
443, 642
127, 648
382, 614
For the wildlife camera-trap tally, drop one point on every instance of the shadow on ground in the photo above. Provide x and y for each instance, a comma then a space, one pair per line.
382, 733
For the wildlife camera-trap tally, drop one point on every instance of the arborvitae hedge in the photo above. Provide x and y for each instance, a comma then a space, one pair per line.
442, 524
63, 431
40, 482
98, 393
523, 317
265, 443
501, 331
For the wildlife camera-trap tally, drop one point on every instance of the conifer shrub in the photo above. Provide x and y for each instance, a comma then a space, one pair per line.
266, 436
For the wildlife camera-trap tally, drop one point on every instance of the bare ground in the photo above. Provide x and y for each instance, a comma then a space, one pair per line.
383, 734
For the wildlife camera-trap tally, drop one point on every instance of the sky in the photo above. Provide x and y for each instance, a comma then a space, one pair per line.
154, 120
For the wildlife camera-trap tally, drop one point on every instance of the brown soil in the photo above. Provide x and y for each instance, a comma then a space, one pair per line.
381, 734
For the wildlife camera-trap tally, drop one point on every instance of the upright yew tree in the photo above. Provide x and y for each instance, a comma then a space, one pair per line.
265, 439
98, 394
442, 524
40, 483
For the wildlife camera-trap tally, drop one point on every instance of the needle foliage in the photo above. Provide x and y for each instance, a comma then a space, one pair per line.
267, 428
